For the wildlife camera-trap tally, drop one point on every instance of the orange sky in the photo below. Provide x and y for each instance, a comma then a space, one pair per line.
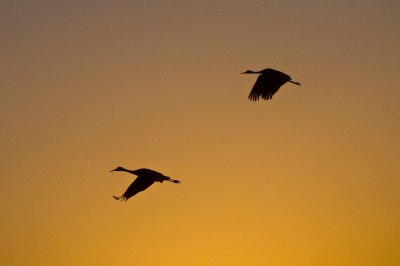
309, 178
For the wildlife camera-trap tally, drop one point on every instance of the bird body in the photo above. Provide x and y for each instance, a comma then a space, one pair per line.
145, 178
268, 83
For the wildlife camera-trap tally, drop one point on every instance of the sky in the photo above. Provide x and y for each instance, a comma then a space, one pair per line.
309, 178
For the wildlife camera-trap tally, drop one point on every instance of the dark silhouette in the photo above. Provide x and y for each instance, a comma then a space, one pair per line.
268, 83
145, 178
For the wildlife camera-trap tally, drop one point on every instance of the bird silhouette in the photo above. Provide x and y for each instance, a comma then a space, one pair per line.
145, 178
268, 83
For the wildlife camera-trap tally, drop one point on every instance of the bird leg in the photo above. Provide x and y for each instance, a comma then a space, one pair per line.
121, 198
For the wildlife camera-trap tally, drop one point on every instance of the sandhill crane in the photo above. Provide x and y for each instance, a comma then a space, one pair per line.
268, 83
145, 178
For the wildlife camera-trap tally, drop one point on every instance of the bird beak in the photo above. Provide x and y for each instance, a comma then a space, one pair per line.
112, 170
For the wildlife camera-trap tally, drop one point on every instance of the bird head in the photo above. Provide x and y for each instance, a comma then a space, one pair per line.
119, 168
248, 72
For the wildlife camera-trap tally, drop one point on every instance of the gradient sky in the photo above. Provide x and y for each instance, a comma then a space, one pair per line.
309, 178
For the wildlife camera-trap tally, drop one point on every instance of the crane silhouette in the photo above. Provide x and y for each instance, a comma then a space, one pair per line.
268, 83
145, 178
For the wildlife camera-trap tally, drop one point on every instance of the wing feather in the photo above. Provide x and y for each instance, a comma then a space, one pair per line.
140, 184
267, 84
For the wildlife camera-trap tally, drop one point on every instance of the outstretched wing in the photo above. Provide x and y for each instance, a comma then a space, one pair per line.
268, 84
140, 184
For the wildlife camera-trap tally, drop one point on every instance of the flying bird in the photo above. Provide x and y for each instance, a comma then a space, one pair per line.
145, 178
268, 83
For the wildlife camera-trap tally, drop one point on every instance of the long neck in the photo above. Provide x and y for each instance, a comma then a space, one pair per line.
121, 169
252, 72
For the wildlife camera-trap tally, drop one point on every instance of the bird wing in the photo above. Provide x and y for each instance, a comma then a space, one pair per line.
262, 88
267, 84
256, 90
141, 183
